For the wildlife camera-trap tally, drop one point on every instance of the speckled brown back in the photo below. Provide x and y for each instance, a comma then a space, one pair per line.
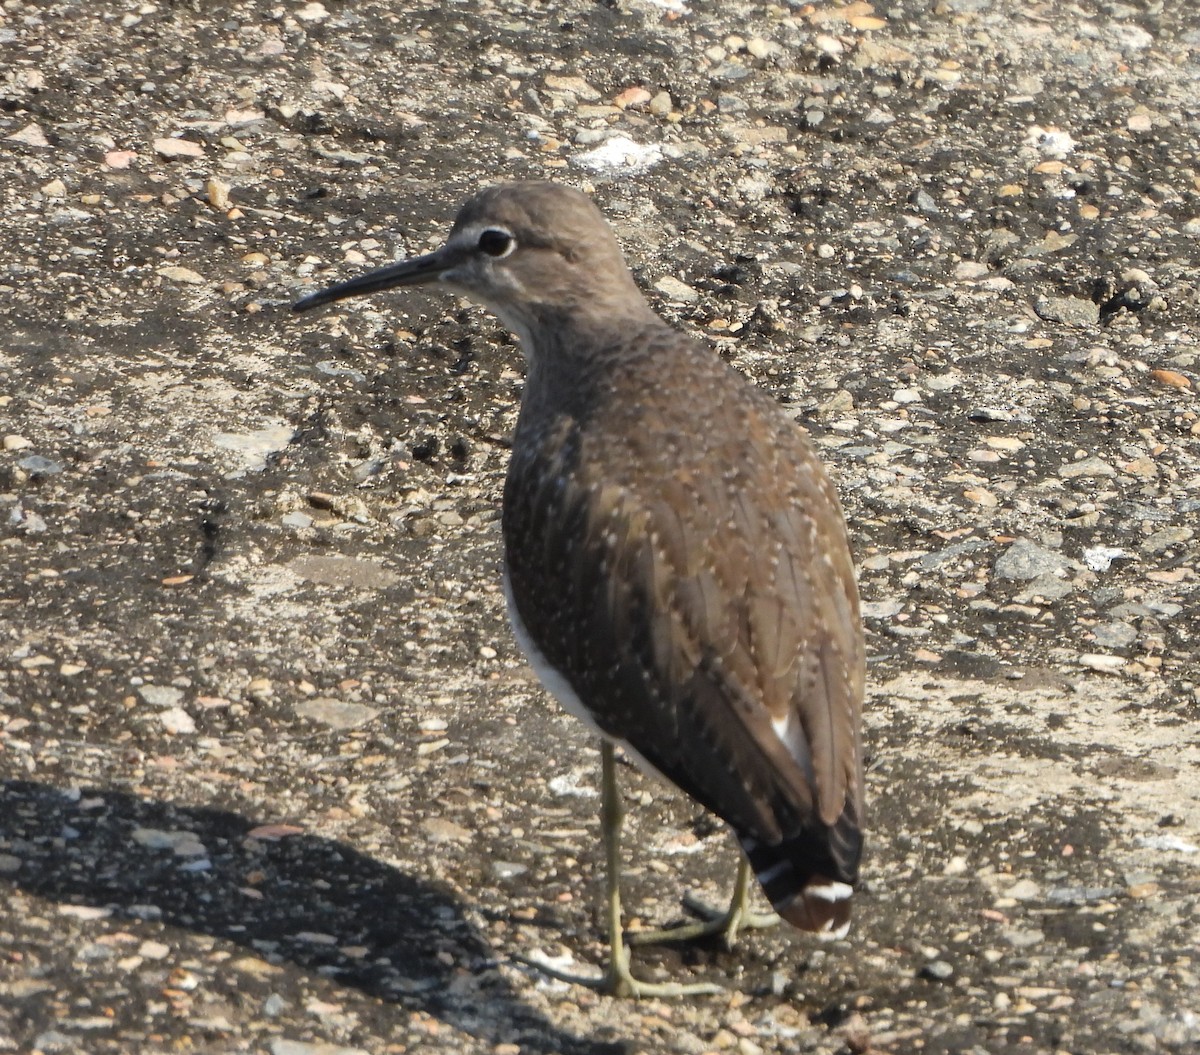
678, 553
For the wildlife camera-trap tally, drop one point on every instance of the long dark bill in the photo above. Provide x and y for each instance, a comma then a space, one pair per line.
415, 272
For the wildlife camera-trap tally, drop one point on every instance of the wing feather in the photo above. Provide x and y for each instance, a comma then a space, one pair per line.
708, 619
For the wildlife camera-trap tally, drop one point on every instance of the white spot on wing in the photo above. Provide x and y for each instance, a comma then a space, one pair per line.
792, 737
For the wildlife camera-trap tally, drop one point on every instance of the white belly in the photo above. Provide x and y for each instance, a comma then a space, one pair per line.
560, 688
549, 676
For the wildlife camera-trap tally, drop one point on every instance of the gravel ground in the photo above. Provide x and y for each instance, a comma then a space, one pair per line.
276, 778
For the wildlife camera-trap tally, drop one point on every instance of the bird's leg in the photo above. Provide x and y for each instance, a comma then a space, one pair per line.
714, 921
617, 979
738, 916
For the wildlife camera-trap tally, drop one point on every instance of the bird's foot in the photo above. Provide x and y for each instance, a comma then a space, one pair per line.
727, 923
617, 980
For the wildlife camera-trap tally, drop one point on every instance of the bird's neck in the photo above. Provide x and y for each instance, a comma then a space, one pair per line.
584, 327
574, 356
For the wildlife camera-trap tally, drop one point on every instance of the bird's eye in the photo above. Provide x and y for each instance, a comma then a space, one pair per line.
496, 242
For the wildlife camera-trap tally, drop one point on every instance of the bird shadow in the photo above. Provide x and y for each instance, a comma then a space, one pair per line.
300, 899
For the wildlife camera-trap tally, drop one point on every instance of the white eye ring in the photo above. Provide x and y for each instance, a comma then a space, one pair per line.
496, 242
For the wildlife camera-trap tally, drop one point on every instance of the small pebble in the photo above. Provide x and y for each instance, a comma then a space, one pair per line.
937, 970
172, 148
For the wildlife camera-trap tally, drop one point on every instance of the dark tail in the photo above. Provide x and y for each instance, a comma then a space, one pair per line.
809, 878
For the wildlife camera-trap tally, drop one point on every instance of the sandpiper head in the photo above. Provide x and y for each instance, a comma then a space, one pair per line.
530, 252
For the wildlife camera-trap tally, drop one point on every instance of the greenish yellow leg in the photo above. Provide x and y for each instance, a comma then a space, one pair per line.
617, 979
727, 924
